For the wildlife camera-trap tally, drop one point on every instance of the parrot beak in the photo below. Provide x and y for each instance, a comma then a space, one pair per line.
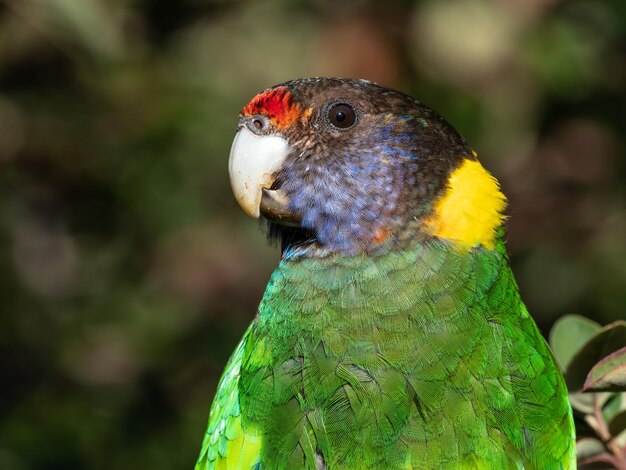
253, 163
275, 208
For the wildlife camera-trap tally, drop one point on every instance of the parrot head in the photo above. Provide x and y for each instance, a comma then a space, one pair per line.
348, 166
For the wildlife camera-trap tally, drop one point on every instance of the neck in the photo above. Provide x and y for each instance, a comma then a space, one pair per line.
364, 287
298, 243
467, 213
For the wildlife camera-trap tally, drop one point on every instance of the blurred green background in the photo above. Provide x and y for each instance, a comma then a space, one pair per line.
128, 273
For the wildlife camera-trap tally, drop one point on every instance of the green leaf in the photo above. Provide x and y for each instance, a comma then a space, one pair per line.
614, 405
618, 423
588, 447
609, 374
569, 335
607, 340
581, 402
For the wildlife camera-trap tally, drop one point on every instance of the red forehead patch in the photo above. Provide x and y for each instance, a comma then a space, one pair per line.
276, 104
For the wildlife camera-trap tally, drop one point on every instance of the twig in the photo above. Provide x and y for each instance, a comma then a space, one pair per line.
617, 456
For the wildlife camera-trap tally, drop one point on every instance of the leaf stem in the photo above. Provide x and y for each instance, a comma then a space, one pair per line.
618, 457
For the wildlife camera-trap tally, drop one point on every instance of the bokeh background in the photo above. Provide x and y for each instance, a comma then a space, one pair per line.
128, 273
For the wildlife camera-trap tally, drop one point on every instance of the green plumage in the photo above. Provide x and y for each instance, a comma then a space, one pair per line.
420, 358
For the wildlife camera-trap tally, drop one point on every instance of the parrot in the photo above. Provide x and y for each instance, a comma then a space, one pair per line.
392, 334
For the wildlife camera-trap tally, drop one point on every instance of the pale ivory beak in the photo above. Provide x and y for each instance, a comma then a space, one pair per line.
252, 165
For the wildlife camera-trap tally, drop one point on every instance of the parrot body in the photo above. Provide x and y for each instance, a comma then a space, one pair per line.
397, 340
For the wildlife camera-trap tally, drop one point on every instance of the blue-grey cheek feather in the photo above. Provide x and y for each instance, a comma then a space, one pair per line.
346, 199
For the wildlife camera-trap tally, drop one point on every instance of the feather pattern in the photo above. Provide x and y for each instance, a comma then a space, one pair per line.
421, 358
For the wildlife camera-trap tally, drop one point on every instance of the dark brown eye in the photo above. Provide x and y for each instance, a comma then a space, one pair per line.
341, 115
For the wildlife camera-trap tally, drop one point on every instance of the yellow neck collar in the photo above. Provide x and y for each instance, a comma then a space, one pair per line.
470, 211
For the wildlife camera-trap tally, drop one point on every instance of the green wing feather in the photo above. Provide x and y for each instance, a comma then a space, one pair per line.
424, 358
226, 444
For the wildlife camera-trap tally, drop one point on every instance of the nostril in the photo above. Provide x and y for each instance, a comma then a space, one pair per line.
258, 124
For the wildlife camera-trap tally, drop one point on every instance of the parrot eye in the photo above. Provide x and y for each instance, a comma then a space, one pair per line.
341, 115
